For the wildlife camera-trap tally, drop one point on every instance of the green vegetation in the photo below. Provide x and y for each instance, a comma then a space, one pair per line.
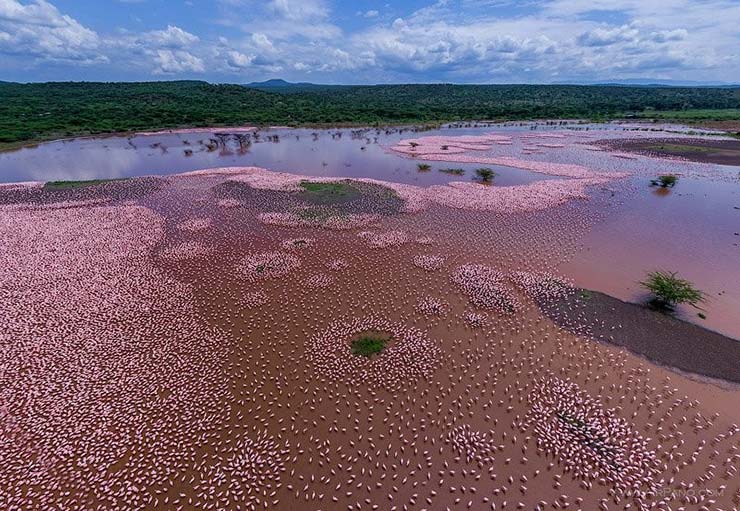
423, 167
455, 172
43, 111
332, 192
585, 295
329, 188
485, 174
66, 185
665, 181
669, 290
370, 344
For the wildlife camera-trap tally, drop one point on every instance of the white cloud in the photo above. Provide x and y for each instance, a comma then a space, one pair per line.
171, 37
282, 19
171, 62
608, 36
39, 31
238, 60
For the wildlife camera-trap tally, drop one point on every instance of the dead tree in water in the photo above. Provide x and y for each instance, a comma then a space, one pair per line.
244, 142
222, 138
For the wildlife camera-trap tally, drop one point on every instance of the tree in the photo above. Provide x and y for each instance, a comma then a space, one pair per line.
669, 290
485, 174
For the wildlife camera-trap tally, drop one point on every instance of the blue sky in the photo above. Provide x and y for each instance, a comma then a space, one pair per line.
365, 41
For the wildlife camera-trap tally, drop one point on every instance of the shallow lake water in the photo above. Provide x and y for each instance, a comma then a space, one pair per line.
188, 345
690, 229
337, 152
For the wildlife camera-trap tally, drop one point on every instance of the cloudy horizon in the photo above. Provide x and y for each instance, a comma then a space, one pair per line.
412, 41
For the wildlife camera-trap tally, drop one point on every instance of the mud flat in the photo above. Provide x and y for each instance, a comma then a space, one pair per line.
658, 336
701, 150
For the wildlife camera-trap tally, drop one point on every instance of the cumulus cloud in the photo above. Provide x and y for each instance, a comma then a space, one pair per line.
39, 31
608, 36
238, 60
171, 37
170, 50
171, 62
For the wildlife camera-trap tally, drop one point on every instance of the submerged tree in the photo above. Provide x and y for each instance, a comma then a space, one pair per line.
669, 290
485, 174
665, 181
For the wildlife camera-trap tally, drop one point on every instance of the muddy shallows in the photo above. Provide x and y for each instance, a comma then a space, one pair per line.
243, 339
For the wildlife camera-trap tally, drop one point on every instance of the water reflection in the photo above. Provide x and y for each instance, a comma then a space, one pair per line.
351, 153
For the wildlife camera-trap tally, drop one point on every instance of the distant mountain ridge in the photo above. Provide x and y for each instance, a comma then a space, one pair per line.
651, 82
279, 83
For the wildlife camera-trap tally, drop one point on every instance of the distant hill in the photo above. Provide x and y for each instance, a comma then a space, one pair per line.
286, 86
280, 85
653, 82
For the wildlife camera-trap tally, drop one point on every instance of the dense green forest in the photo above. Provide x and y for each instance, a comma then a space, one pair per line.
40, 111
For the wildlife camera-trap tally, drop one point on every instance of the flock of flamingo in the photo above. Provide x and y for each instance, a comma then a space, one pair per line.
185, 342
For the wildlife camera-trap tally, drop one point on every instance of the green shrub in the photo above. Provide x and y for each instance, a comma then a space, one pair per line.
485, 174
665, 181
64, 185
423, 167
669, 290
370, 344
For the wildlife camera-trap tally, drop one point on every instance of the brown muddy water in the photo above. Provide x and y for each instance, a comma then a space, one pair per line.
184, 342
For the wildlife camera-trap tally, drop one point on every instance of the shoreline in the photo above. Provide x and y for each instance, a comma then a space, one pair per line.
661, 339
8, 147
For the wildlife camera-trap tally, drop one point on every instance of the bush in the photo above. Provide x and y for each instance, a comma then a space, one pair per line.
669, 290
665, 181
369, 345
423, 167
485, 174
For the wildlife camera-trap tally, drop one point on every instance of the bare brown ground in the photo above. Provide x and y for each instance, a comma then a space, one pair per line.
658, 336
702, 150
729, 126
